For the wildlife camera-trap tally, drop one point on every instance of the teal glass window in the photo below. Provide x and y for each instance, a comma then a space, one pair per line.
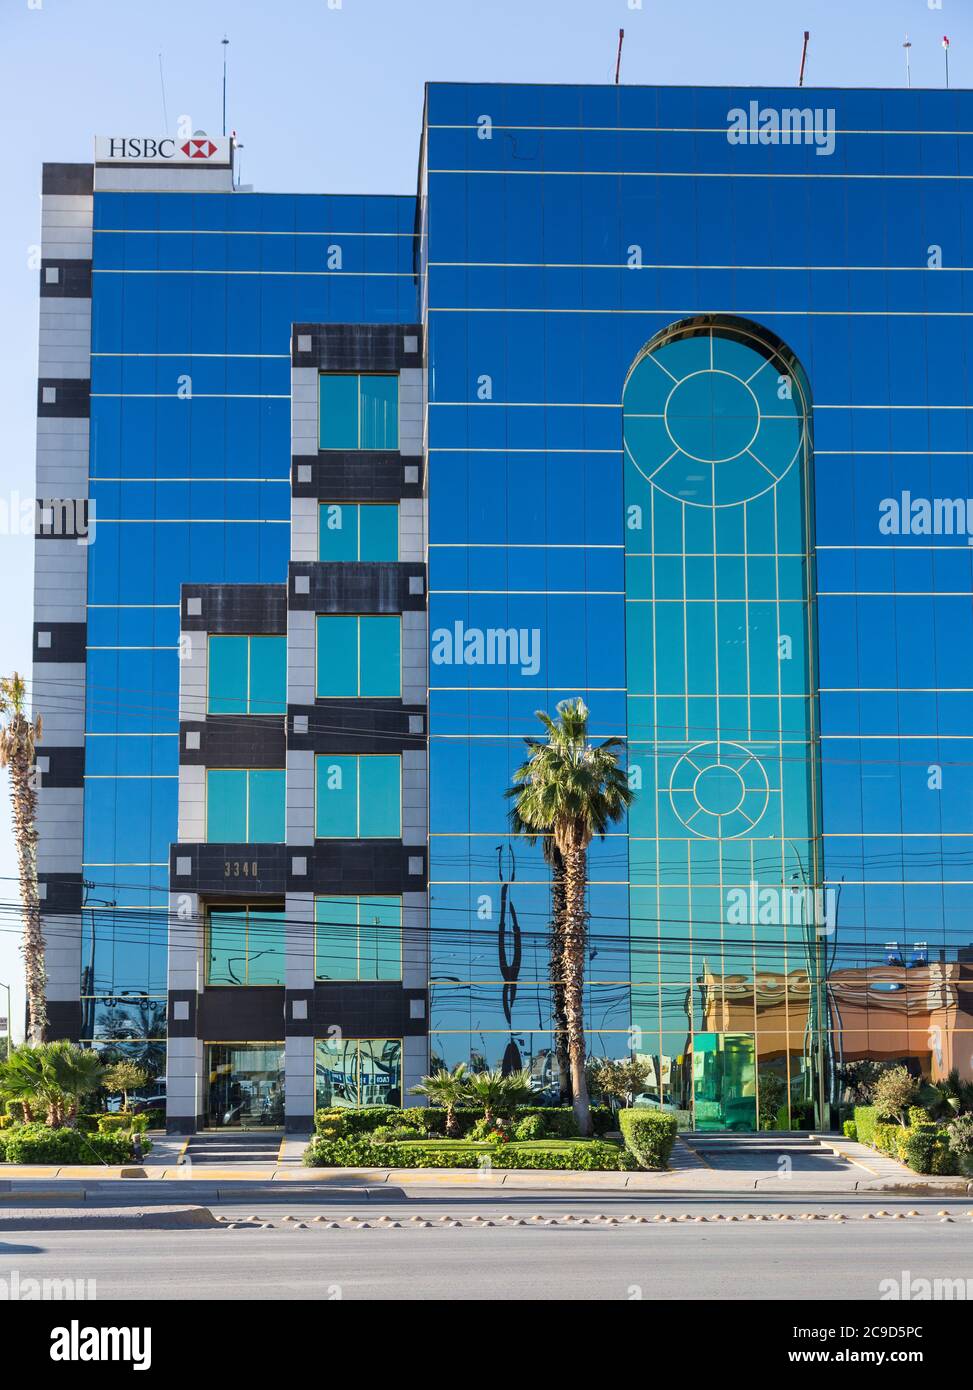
358, 796
247, 675
351, 1072
358, 938
359, 657
338, 419
358, 412
358, 531
245, 805
245, 946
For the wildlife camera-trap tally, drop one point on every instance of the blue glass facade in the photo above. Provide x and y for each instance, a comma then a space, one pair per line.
193, 301
566, 230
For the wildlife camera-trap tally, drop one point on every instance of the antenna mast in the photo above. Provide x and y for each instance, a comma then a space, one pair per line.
618, 60
226, 44
807, 35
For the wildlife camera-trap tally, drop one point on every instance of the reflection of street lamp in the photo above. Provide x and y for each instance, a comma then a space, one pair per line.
9, 1020
815, 1022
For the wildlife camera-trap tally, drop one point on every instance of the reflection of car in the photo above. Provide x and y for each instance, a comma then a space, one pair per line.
138, 1103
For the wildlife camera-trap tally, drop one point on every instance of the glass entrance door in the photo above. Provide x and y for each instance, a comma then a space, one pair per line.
724, 1081
246, 1085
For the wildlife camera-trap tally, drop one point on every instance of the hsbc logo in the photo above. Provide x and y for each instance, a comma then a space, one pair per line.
198, 149
149, 149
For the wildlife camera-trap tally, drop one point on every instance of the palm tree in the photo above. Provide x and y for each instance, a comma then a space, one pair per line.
18, 736
496, 1093
21, 1080
51, 1078
447, 1089
76, 1072
573, 790
554, 861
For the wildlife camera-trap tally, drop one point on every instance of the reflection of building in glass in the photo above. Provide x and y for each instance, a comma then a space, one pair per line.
616, 406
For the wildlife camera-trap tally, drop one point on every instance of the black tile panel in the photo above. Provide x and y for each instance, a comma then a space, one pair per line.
353, 476
235, 740
65, 766
71, 179
371, 726
241, 1013
330, 866
356, 587
60, 642
183, 1027
236, 608
64, 894
366, 1009
63, 1020
72, 398
73, 279
357, 347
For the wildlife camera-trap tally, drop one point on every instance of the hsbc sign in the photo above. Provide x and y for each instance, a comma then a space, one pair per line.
162, 149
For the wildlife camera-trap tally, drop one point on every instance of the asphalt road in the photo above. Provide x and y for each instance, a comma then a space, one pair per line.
683, 1259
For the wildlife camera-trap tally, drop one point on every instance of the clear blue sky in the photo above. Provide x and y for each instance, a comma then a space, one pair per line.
328, 98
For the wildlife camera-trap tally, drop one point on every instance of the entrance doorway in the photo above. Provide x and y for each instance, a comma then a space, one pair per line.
724, 1081
246, 1085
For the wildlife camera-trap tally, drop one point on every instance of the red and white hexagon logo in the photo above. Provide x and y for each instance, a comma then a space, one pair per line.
198, 149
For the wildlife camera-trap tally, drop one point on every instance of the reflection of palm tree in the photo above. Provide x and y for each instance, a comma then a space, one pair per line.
509, 967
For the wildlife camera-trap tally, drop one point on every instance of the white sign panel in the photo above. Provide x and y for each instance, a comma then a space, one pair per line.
162, 149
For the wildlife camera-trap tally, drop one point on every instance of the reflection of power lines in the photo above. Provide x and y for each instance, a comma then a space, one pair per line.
509, 965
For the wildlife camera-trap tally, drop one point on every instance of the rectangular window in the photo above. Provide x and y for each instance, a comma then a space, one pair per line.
358, 938
358, 412
358, 531
358, 796
245, 946
357, 1071
247, 675
359, 657
245, 805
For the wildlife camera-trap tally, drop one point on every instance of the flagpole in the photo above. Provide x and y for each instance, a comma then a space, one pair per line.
908, 61
946, 50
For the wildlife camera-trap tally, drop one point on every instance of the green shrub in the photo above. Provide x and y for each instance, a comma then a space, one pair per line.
865, 1122
120, 1122
530, 1127
649, 1135
350, 1122
36, 1143
850, 1129
917, 1146
918, 1115
583, 1156
427, 1120
959, 1136
887, 1139
944, 1163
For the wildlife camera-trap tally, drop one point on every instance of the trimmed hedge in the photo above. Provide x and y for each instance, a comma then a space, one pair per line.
120, 1122
37, 1143
922, 1145
649, 1135
558, 1120
586, 1155
865, 1121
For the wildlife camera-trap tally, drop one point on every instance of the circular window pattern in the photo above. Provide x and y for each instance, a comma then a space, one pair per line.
719, 790
713, 420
